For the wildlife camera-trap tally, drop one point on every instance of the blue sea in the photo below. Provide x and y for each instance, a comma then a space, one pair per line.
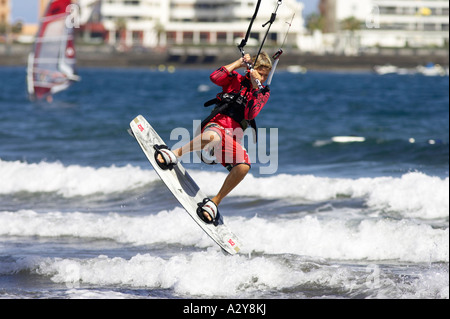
349, 197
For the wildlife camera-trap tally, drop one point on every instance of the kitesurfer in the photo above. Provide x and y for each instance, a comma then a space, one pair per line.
240, 101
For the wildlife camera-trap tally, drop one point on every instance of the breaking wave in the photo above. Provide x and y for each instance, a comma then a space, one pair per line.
414, 194
336, 238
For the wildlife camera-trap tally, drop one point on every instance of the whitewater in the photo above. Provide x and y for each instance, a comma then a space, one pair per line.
412, 195
299, 238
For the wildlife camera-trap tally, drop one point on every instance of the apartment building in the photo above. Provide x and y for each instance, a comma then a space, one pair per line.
5, 12
391, 23
153, 23
43, 4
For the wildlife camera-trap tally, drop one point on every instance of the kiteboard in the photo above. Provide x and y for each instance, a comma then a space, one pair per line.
182, 186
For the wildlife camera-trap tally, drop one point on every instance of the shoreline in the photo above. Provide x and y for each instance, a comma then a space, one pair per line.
105, 56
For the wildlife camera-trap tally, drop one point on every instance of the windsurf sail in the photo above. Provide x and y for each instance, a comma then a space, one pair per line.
51, 65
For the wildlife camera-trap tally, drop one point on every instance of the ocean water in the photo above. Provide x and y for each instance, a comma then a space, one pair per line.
83, 215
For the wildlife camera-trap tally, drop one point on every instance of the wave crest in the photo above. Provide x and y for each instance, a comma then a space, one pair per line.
414, 194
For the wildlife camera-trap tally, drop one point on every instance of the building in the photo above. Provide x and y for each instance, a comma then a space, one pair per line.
161, 23
42, 7
28, 30
390, 23
5, 12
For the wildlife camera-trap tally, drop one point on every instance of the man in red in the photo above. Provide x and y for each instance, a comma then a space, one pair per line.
238, 104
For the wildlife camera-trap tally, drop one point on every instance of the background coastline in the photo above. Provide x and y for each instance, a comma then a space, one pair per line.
194, 57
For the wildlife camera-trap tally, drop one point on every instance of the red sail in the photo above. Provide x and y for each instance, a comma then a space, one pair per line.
51, 67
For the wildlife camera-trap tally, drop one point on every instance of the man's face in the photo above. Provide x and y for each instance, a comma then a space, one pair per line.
263, 72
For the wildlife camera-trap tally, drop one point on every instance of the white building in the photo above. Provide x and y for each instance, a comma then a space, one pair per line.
389, 23
153, 23
404, 23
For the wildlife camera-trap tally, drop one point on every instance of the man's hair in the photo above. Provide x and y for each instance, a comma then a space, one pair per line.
263, 61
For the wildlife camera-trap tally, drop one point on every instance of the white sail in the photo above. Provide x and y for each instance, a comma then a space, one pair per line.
51, 66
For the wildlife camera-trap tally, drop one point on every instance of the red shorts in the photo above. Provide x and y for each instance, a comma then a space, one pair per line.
229, 152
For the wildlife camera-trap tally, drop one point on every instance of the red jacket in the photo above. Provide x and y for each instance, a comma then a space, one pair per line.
231, 83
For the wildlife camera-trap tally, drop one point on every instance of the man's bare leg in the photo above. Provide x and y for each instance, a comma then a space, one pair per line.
197, 144
233, 179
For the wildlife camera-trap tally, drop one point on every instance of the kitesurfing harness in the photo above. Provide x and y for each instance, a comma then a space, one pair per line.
232, 105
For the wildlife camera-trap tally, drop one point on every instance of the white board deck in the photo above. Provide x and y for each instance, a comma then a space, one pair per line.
182, 186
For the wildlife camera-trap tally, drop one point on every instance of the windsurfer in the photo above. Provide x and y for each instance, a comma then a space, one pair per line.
51, 64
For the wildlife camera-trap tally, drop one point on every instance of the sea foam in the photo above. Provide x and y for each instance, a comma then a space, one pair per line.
335, 238
72, 180
238, 277
414, 194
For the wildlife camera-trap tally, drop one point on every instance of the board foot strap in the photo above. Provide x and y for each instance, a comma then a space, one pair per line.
209, 207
